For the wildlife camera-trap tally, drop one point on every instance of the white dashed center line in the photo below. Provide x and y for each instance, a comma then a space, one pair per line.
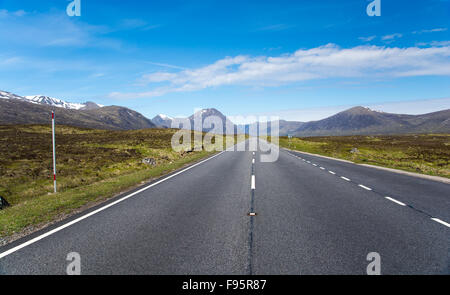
360, 185
253, 182
441, 222
395, 201
365, 187
253, 161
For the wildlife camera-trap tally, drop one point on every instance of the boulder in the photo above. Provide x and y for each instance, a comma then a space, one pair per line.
149, 161
3, 203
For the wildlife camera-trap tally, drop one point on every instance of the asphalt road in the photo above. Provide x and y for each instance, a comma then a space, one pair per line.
313, 216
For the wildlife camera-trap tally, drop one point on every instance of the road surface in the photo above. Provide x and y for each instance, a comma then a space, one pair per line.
313, 216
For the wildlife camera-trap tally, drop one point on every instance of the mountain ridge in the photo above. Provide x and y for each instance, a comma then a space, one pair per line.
16, 110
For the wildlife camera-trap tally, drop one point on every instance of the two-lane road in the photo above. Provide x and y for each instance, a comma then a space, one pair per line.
314, 216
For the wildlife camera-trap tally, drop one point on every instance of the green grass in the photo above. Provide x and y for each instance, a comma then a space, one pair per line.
92, 166
426, 154
45, 208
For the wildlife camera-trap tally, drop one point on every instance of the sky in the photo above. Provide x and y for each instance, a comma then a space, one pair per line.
301, 60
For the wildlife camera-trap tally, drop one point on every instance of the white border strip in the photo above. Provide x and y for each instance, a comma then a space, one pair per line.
38, 238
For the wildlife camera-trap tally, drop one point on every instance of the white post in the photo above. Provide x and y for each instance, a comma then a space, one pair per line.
54, 156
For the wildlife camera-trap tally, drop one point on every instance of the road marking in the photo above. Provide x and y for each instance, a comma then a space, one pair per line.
345, 178
49, 233
253, 161
252, 214
395, 201
308, 162
253, 153
253, 182
322, 168
365, 187
441, 222
303, 160
331, 172
314, 164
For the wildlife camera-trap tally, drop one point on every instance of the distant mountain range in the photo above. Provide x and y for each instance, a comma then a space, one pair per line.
364, 121
15, 109
354, 121
51, 101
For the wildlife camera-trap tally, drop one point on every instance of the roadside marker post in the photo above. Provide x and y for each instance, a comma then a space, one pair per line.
54, 155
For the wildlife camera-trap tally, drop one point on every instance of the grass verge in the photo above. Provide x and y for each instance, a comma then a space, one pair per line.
46, 208
426, 154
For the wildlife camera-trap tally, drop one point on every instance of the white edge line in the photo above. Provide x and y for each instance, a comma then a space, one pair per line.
365, 187
395, 201
253, 182
38, 238
441, 222
345, 178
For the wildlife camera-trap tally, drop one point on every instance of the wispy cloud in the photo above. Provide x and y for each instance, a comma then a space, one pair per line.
136, 23
6, 13
430, 31
276, 27
166, 65
52, 30
434, 43
391, 36
329, 61
367, 39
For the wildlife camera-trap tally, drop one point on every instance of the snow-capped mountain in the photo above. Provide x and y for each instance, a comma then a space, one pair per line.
162, 120
8, 95
56, 102
42, 99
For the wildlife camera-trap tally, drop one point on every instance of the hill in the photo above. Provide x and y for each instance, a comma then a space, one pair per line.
17, 111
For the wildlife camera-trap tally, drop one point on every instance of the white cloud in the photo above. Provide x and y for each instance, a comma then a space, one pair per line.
367, 39
52, 30
391, 37
329, 61
275, 28
6, 13
430, 31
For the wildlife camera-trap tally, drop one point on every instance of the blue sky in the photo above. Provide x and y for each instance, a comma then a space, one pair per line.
241, 57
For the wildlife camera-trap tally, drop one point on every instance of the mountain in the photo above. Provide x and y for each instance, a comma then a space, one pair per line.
15, 109
162, 121
364, 121
47, 100
226, 125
